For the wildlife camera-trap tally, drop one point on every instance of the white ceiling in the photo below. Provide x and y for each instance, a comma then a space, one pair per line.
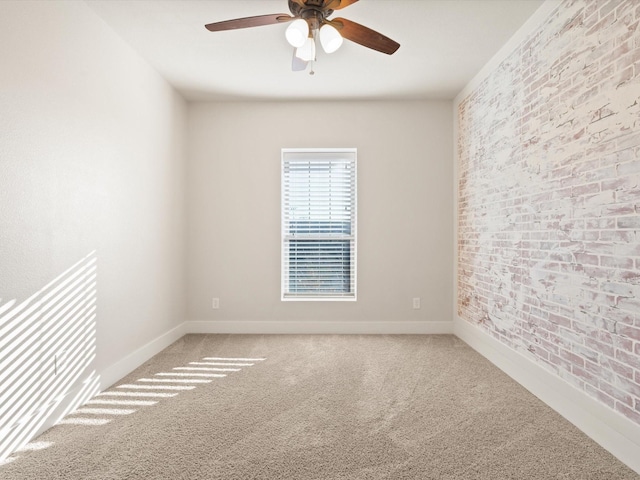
444, 43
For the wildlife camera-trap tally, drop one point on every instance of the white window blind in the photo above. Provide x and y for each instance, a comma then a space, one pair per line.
319, 224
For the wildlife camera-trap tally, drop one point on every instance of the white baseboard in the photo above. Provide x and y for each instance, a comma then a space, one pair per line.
45, 416
123, 367
318, 327
614, 432
611, 430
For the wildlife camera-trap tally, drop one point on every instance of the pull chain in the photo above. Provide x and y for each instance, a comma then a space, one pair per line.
314, 35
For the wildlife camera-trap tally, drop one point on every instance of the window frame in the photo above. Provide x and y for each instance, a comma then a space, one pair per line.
285, 237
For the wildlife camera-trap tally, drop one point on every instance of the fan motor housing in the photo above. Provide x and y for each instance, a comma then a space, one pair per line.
313, 9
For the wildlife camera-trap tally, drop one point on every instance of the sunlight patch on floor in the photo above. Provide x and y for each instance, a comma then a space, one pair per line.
207, 369
156, 387
101, 408
137, 394
230, 359
104, 411
84, 421
34, 446
225, 364
132, 403
174, 380
179, 374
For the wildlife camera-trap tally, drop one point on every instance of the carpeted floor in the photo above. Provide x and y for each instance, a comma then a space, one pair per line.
316, 407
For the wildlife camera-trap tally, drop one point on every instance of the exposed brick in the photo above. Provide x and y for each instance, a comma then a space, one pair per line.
617, 209
607, 8
630, 140
628, 304
585, 189
628, 386
629, 332
631, 196
632, 277
585, 376
620, 183
618, 368
629, 222
617, 289
622, 343
625, 64
559, 320
599, 395
557, 360
587, 259
600, 223
628, 168
616, 393
616, 236
549, 200
572, 358
586, 353
616, 262
628, 412
629, 359
603, 373
600, 347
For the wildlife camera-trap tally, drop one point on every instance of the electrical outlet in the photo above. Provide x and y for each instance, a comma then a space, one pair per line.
416, 303
215, 304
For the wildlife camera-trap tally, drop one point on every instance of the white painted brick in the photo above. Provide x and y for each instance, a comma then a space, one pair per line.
549, 210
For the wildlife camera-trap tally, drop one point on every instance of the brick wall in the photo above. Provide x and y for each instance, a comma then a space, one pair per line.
549, 200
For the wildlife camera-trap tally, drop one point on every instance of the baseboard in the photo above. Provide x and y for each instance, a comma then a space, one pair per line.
318, 327
123, 367
614, 432
611, 430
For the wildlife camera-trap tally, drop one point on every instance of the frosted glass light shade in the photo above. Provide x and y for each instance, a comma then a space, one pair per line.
307, 52
297, 33
330, 38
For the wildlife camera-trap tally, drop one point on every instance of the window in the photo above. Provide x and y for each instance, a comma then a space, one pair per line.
319, 224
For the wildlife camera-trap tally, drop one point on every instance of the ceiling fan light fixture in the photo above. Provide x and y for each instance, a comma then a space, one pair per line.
330, 38
297, 33
307, 52
310, 25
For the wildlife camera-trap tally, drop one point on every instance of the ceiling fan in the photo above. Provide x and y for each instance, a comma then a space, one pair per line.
310, 22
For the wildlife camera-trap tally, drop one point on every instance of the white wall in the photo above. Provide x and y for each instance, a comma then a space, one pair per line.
91, 164
405, 213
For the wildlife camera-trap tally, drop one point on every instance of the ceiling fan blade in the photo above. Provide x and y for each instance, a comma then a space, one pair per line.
364, 36
249, 22
338, 4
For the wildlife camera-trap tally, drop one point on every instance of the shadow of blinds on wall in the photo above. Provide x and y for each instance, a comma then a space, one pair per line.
319, 224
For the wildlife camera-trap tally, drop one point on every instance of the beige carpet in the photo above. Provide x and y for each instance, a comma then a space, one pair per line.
317, 407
